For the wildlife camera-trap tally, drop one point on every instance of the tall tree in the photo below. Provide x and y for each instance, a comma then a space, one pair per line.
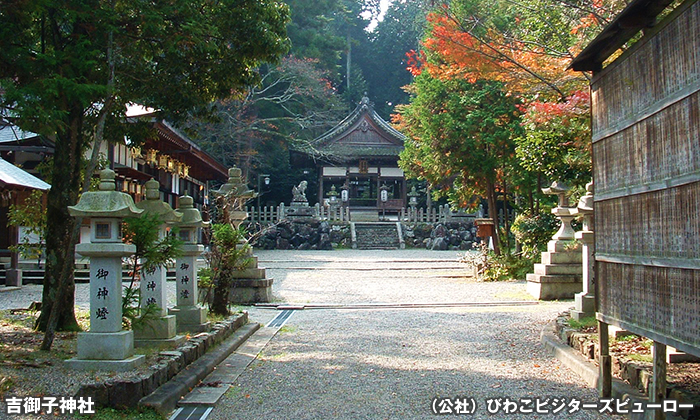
461, 137
383, 56
69, 67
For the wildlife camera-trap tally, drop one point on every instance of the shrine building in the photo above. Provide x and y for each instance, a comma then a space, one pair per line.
360, 155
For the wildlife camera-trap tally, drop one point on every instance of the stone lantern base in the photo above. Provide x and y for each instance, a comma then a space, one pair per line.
192, 319
106, 351
158, 332
559, 276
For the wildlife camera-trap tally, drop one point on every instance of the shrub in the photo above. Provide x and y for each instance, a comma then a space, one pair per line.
533, 232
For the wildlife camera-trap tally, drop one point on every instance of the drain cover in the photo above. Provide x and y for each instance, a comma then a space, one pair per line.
280, 319
193, 412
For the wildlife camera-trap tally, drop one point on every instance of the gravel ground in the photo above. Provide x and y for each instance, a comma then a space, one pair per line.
382, 363
392, 363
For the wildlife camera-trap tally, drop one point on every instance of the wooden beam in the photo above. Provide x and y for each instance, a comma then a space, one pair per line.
658, 384
605, 385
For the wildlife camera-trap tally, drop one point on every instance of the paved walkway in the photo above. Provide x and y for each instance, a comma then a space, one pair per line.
391, 363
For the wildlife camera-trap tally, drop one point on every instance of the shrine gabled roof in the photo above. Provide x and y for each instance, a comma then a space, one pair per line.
363, 132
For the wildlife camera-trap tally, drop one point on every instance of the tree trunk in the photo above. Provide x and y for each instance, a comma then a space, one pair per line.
58, 299
493, 215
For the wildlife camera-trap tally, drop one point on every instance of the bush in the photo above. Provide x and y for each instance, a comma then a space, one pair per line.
533, 232
488, 266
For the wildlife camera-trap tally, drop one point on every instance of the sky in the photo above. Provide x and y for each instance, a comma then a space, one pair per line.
384, 4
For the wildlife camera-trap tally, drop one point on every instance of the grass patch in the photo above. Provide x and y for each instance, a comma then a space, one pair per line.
587, 322
112, 414
287, 329
641, 357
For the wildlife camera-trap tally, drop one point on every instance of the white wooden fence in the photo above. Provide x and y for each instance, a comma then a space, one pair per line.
272, 214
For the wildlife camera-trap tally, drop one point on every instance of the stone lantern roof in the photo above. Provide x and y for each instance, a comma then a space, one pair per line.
191, 217
154, 205
107, 202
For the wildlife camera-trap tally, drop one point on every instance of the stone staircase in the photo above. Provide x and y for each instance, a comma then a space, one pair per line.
377, 235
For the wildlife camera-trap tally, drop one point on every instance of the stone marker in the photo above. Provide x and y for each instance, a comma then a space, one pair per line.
162, 329
190, 316
106, 346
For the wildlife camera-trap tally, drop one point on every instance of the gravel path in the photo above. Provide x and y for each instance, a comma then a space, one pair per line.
392, 363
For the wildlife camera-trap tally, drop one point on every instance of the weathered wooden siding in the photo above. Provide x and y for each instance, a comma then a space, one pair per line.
646, 154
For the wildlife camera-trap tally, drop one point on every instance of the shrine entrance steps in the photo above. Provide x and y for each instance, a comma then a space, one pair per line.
376, 235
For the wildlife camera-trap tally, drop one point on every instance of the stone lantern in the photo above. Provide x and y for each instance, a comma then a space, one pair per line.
237, 193
558, 276
190, 316
563, 212
160, 330
106, 345
413, 198
585, 301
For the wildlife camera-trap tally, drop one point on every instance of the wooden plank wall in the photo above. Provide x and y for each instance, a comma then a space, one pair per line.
646, 160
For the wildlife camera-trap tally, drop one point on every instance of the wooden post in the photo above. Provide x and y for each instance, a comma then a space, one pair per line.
657, 393
605, 385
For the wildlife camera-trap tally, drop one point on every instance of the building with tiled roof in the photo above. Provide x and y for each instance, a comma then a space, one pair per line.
360, 155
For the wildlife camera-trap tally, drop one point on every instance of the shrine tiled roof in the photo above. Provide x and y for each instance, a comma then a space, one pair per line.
362, 133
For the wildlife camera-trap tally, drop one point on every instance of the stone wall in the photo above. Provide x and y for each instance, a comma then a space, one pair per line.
313, 235
441, 236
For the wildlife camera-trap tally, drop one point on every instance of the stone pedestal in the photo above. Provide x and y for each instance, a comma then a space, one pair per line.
190, 316
13, 277
302, 212
106, 346
251, 284
585, 301
559, 275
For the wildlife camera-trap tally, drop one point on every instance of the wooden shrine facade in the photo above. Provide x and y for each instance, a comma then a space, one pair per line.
360, 155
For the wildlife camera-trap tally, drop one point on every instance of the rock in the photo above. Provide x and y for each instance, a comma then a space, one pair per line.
282, 243
324, 227
466, 245
304, 246
440, 231
324, 242
297, 240
285, 231
440, 244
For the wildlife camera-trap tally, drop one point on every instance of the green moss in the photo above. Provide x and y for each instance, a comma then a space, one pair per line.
583, 323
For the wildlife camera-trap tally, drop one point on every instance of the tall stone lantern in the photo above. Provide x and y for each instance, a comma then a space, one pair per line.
190, 316
161, 329
585, 301
106, 345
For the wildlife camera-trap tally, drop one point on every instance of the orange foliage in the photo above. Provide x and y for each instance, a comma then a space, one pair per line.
455, 52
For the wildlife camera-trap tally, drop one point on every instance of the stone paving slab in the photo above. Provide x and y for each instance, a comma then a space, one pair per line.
218, 382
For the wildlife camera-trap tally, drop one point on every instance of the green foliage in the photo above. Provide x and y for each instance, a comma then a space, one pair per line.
488, 266
32, 216
152, 252
533, 232
230, 252
68, 68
